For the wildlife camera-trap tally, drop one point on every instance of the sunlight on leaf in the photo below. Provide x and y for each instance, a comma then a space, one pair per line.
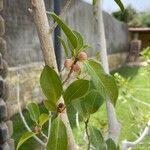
104, 83
34, 111
51, 85
27, 135
120, 4
69, 33
58, 136
76, 90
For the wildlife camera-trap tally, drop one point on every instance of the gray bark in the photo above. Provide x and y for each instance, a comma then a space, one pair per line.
41, 22
113, 124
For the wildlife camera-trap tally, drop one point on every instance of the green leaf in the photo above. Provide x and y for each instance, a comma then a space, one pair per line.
89, 104
103, 82
98, 55
34, 111
51, 85
92, 101
94, 2
69, 33
120, 4
58, 136
76, 90
79, 105
48, 106
64, 46
43, 119
85, 47
24, 138
111, 144
80, 40
97, 139
70, 46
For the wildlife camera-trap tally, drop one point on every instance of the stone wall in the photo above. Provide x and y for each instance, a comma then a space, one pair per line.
24, 54
81, 18
23, 43
6, 127
18, 36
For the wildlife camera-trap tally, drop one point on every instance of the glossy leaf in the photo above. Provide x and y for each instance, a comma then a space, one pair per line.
48, 106
94, 2
64, 46
70, 46
79, 105
34, 111
103, 82
85, 47
89, 104
43, 119
24, 138
92, 101
97, 139
120, 4
80, 40
51, 85
76, 90
58, 136
69, 33
111, 144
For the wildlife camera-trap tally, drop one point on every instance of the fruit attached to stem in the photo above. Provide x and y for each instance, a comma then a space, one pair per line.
68, 63
82, 56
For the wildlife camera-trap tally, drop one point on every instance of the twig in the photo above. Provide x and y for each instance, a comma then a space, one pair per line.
127, 144
70, 72
87, 133
77, 121
140, 101
22, 117
49, 126
44, 135
62, 13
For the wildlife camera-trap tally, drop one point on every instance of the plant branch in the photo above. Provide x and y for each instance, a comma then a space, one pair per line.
42, 26
113, 124
49, 126
127, 144
22, 117
77, 121
44, 135
68, 76
140, 101
70, 72
87, 133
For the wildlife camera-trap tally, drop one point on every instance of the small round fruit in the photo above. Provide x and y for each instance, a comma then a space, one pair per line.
37, 129
76, 68
61, 108
68, 63
82, 56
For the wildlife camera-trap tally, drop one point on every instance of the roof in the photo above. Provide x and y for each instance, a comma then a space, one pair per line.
139, 29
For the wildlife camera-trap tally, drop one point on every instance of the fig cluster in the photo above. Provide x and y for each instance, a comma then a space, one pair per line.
69, 63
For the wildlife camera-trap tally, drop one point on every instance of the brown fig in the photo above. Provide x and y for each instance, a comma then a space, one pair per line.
76, 68
68, 63
82, 56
